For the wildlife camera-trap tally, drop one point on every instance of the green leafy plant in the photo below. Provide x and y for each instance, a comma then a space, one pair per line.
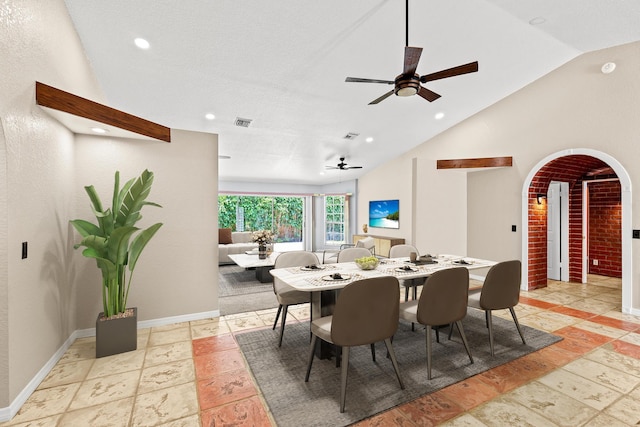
114, 242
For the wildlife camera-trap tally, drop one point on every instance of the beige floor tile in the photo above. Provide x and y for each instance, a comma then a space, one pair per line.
202, 321
118, 363
505, 412
170, 327
81, 349
168, 353
244, 323
42, 422
111, 414
191, 421
626, 410
209, 329
170, 336
632, 338
597, 328
143, 337
613, 359
548, 321
559, 298
604, 420
465, 420
166, 375
239, 315
67, 373
553, 405
622, 316
46, 403
268, 318
592, 306
164, 406
609, 297
588, 392
106, 389
604, 375
301, 312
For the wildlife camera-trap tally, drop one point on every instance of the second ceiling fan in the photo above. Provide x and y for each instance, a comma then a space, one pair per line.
409, 82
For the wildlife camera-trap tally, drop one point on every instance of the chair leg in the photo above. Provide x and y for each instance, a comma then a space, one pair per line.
437, 328
429, 352
515, 319
311, 353
391, 353
490, 325
450, 331
415, 292
406, 293
343, 377
373, 351
284, 318
464, 339
277, 317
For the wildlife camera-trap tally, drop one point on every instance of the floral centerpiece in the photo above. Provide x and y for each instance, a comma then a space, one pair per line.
262, 238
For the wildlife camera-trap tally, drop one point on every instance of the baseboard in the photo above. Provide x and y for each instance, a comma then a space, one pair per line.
9, 412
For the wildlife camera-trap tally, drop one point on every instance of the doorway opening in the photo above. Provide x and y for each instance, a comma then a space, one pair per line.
597, 222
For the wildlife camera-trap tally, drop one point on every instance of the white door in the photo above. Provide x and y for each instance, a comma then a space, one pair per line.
558, 231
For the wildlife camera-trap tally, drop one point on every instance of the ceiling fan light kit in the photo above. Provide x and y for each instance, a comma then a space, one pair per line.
408, 83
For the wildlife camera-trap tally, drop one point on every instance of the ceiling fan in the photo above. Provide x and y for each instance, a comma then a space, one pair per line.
343, 166
408, 83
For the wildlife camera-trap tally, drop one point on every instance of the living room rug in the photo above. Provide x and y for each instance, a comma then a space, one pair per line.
372, 387
240, 292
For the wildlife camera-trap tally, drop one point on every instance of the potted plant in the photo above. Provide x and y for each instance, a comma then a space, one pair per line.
116, 244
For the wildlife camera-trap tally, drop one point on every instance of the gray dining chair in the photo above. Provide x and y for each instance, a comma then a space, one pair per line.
403, 251
500, 290
443, 301
366, 312
350, 254
285, 294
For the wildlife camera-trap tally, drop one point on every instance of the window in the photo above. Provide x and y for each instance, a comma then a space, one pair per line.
282, 215
335, 214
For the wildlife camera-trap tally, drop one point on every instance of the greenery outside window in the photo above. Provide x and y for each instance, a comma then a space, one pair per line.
335, 215
284, 216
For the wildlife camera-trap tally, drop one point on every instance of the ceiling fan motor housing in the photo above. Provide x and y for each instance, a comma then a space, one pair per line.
407, 85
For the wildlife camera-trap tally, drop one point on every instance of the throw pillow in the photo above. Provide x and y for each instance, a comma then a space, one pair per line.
224, 236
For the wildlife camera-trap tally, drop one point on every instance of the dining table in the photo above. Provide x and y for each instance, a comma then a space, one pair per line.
324, 281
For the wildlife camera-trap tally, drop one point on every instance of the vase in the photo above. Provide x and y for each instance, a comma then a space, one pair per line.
262, 251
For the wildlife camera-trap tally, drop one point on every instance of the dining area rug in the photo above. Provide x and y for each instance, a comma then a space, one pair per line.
372, 387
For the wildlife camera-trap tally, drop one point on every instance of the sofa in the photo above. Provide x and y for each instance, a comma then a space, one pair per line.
233, 242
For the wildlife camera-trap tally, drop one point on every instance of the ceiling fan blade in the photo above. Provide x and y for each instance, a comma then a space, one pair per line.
353, 167
359, 80
411, 59
382, 98
428, 94
331, 167
471, 67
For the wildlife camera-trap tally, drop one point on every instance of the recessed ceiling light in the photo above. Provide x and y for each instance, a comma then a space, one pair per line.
537, 20
439, 115
98, 130
321, 173
142, 43
369, 139
608, 67
209, 116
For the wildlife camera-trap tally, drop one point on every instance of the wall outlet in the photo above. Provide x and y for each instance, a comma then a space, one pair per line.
595, 262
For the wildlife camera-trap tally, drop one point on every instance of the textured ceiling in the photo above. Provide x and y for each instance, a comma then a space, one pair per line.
283, 65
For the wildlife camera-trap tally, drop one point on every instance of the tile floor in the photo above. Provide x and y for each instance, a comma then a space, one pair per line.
193, 374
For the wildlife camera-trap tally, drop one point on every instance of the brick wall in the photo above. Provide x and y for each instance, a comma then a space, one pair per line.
569, 169
605, 225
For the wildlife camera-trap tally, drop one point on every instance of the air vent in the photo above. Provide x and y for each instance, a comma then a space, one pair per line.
351, 135
243, 123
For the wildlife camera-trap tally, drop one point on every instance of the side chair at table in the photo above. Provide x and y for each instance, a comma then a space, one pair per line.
403, 251
366, 312
500, 290
350, 254
285, 294
443, 301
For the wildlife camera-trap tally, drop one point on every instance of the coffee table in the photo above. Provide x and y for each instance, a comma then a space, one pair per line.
262, 266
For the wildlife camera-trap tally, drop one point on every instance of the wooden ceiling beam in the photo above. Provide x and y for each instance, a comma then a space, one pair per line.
56, 99
486, 162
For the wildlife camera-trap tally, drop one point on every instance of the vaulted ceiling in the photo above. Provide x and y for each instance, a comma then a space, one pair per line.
283, 64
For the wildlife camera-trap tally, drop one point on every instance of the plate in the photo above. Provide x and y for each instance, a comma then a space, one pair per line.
406, 270
309, 268
330, 278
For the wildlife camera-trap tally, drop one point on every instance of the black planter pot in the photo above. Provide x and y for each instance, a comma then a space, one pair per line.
117, 335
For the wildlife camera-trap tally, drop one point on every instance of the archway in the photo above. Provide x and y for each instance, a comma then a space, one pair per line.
625, 190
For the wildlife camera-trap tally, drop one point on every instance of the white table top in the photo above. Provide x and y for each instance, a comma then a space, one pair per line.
304, 279
252, 260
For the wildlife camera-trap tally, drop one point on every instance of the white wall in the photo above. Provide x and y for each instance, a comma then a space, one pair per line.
575, 106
